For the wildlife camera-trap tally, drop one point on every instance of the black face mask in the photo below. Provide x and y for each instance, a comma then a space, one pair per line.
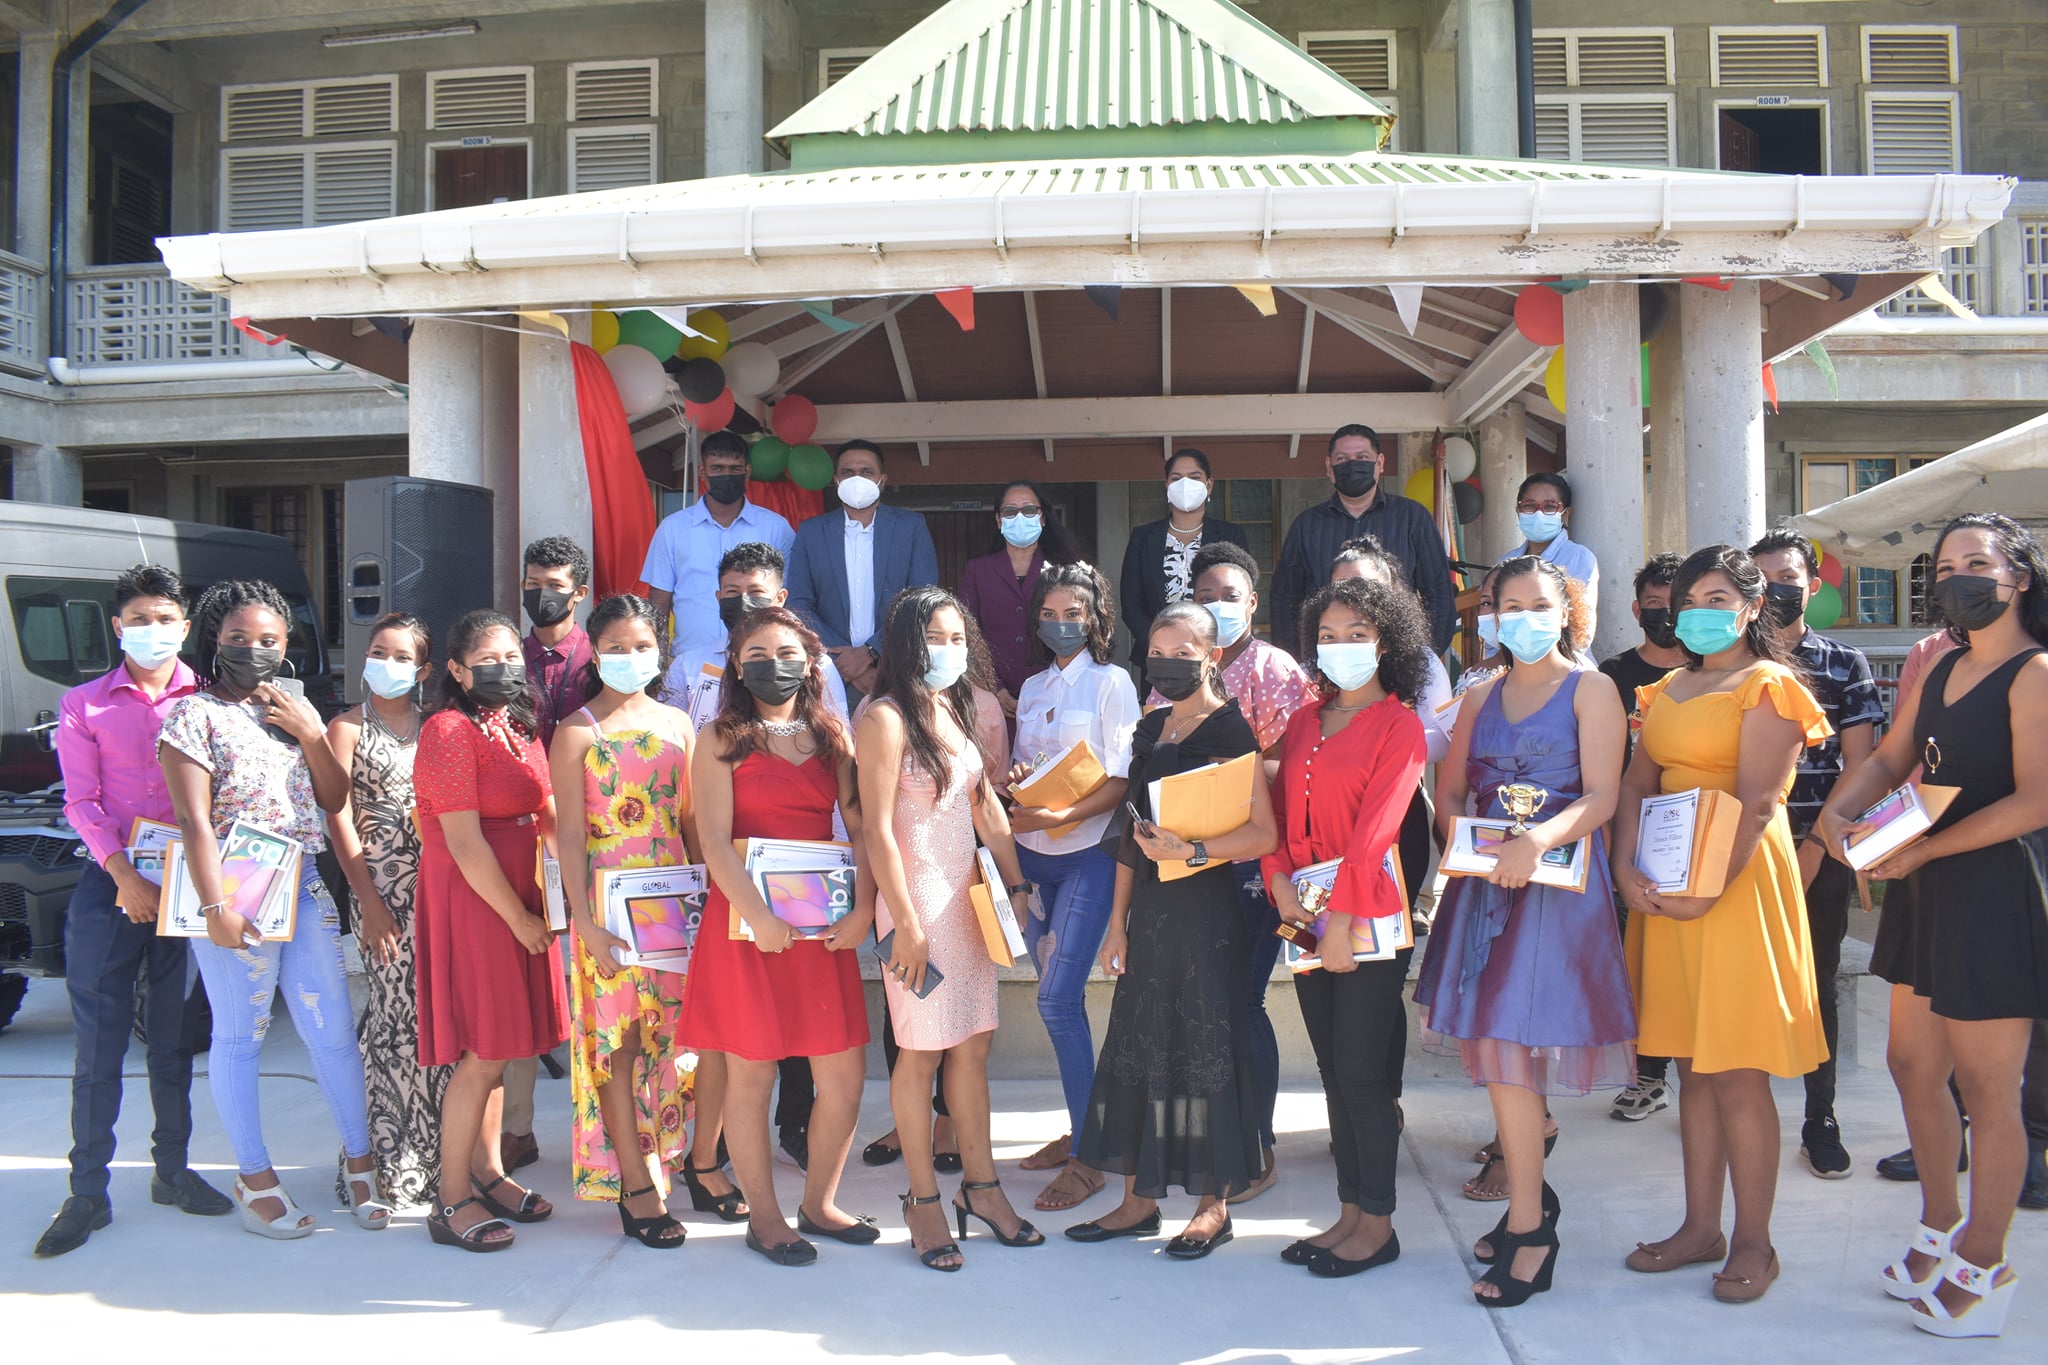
774, 681
1783, 603
1063, 637
1355, 478
1969, 601
731, 609
246, 667
725, 488
1657, 627
1175, 679
545, 606
495, 685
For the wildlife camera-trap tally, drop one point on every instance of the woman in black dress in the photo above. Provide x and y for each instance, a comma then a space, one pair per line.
1173, 1099
1964, 939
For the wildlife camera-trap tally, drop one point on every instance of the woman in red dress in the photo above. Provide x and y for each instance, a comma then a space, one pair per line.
490, 976
772, 765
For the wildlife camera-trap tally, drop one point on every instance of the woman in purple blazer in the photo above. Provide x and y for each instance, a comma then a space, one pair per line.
998, 587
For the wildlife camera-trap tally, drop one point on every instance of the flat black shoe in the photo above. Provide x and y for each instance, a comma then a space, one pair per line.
946, 1163
79, 1219
1299, 1253
879, 1153
1902, 1167
731, 1207
798, 1252
1094, 1232
1185, 1248
190, 1194
863, 1231
1331, 1266
796, 1145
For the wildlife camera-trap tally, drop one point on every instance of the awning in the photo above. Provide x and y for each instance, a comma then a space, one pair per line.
1888, 526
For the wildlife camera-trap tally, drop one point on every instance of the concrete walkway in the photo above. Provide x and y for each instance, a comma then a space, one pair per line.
172, 1288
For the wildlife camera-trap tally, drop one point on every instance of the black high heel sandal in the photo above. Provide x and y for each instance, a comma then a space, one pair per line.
532, 1207
730, 1207
662, 1232
963, 1209
931, 1258
1514, 1292
470, 1238
1552, 1211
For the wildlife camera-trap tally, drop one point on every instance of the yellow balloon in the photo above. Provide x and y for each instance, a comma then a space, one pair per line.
717, 336
604, 330
1421, 486
1553, 379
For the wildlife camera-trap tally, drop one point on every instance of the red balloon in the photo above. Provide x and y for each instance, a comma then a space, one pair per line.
794, 419
715, 415
1539, 315
1831, 572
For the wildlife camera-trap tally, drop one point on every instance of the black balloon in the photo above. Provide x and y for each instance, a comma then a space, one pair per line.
701, 379
1653, 310
1469, 500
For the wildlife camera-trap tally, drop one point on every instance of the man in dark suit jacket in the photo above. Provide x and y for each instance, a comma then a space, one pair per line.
847, 566
1151, 579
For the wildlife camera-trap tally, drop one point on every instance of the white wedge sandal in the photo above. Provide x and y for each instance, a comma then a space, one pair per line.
286, 1227
1983, 1318
369, 1213
1898, 1280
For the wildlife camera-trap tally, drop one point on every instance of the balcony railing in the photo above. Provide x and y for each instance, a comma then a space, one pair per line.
139, 315
21, 312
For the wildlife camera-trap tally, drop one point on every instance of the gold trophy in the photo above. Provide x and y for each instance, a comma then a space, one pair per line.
1314, 899
1523, 800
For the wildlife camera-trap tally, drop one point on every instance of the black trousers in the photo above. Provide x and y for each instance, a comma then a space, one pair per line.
1352, 1019
1827, 916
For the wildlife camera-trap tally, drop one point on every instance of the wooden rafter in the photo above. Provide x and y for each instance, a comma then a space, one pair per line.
1383, 316
1416, 358
904, 377
1308, 341
824, 354
819, 334
1037, 354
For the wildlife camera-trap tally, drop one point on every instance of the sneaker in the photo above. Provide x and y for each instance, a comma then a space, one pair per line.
794, 1149
1641, 1100
1820, 1142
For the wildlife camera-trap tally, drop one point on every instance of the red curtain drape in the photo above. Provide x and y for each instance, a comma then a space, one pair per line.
622, 510
797, 505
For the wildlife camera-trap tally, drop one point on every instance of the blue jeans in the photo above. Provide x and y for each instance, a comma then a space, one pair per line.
1262, 950
241, 984
104, 953
1075, 890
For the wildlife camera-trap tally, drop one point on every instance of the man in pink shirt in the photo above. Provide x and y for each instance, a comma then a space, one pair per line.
106, 747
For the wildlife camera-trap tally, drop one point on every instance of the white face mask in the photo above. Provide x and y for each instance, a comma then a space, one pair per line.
1186, 494
151, 645
859, 492
388, 678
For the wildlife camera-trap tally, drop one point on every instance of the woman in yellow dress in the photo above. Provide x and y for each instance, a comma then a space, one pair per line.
1726, 984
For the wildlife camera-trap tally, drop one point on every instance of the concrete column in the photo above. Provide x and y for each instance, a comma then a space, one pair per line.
1667, 497
1604, 441
554, 485
1486, 78
49, 474
32, 148
1412, 451
77, 221
1433, 127
735, 53
1722, 333
2003, 251
1503, 464
463, 426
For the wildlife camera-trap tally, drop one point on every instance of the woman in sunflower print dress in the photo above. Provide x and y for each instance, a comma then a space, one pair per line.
378, 845
629, 757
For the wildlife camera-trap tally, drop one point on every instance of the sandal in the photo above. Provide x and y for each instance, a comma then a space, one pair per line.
1745, 1288
1983, 1318
931, 1258
1490, 1153
963, 1209
476, 1237
1091, 1180
1898, 1281
1483, 1251
1477, 1190
368, 1212
1266, 1180
286, 1227
662, 1232
1647, 1260
1513, 1292
731, 1206
532, 1208
1050, 1157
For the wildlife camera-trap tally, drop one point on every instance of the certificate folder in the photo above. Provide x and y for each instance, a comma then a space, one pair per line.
259, 880
148, 841
1202, 803
1685, 839
1064, 780
1474, 848
1372, 940
1904, 815
999, 931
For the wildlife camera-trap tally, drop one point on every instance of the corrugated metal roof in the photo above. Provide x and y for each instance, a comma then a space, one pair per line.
1058, 65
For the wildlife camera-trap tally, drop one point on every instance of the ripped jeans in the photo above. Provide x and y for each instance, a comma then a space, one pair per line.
241, 984
1075, 890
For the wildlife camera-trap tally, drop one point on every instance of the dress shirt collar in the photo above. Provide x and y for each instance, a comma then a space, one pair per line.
119, 679
854, 528
699, 513
1075, 668
572, 643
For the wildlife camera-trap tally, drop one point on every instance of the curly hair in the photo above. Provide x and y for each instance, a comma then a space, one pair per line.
751, 555
1759, 635
473, 626
1199, 622
223, 600
1223, 554
1658, 572
905, 659
558, 552
1085, 581
1578, 617
2023, 552
149, 580
1395, 613
1368, 549
738, 728
619, 607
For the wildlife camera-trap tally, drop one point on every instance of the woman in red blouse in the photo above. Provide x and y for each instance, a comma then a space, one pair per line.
490, 977
1357, 755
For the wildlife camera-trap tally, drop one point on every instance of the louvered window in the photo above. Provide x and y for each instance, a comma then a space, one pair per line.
494, 97
267, 113
611, 158
1365, 57
1911, 134
835, 64
291, 187
611, 90
1784, 57
1570, 58
1617, 130
1909, 55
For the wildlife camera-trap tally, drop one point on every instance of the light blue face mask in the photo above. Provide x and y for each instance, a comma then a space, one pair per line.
1232, 621
1708, 630
1489, 632
628, 672
1022, 531
948, 662
389, 678
1529, 635
1349, 665
1540, 528
152, 645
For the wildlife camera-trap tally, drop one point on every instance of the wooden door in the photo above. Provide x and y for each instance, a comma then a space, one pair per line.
468, 176
1738, 144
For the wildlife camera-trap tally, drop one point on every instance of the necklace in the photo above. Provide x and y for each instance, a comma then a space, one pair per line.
785, 727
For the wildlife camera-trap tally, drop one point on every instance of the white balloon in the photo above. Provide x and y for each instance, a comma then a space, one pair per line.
1461, 461
751, 369
642, 383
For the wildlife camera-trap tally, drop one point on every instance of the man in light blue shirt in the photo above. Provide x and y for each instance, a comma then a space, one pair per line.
1543, 509
682, 561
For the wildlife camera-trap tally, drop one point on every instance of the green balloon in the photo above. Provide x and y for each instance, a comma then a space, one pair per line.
1646, 374
810, 467
1825, 609
768, 458
642, 328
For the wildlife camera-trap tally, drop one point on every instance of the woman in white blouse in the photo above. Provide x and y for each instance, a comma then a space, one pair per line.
1080, 697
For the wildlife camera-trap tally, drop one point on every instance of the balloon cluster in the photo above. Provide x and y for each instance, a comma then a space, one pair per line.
1824, 608
789, 452
638, 343
1539, 317
1461, 463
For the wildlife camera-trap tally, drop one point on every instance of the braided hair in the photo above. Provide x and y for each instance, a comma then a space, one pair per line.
223, 600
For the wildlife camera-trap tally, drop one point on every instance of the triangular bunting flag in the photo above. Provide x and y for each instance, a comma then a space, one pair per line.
1844, 284
1107, 297
255, 333
677, 317
960, 303
1260, 296
1770, 386
1709, 282
547, 319
823, 313
1408, 303
1825, 363
398, 329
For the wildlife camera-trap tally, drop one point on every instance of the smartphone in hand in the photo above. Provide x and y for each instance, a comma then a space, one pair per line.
932, 975
1139, 822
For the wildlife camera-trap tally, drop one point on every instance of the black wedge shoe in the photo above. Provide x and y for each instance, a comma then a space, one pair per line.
731, 1207
963, 1209
1552, 1210
1514, 1292
662, 1232
931, 1258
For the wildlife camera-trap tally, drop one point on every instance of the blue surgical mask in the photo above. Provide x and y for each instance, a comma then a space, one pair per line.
1708, 630
1529, 635
1540, 528
389, 678
152, 645
1489, 632
1349, 665
1022, 531
628, 672
1232, 621
948, 662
